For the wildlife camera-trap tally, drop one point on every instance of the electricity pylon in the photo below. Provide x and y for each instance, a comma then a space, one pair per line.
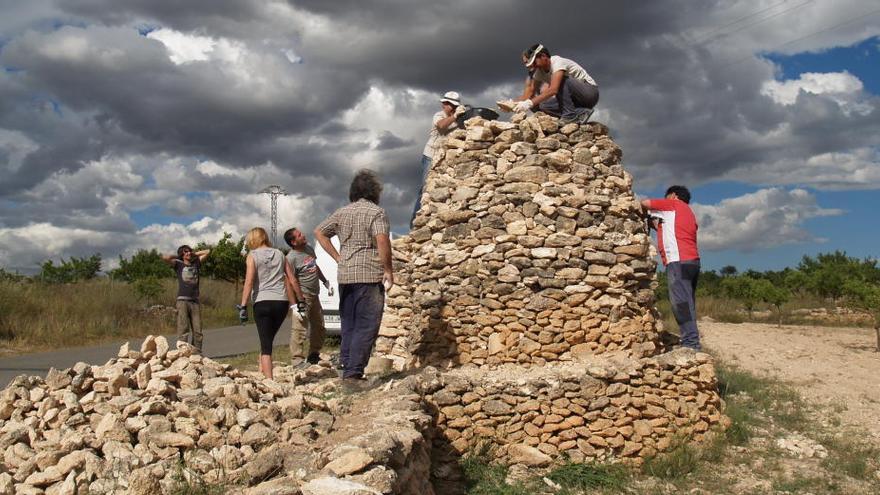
274, 191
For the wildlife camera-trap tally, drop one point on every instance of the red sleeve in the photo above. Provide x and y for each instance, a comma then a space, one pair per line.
662, 204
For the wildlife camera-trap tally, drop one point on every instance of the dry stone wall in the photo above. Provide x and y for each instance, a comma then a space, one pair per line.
529, 279
625, 409
529, 248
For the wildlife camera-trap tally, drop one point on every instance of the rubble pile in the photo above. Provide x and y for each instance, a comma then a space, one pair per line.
153, 419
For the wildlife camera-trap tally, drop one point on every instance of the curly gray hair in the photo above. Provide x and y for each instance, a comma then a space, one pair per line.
365, 185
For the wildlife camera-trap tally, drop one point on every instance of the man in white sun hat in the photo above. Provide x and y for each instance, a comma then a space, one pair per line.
443, 123
557, 86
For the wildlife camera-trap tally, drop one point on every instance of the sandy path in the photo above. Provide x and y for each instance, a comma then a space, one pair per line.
829, 365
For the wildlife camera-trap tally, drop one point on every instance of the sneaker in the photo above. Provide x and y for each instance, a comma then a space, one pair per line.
337, 363
302, 365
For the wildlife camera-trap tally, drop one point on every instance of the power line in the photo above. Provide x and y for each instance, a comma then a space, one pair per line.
759, 21
814, 33
708, 34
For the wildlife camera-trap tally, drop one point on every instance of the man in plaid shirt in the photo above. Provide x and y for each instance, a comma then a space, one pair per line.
364, 272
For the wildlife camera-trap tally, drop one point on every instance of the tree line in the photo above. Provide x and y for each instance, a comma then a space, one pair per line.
144, 270
834, 277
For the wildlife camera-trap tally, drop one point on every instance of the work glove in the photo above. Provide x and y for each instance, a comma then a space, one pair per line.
301, 308
523, 106
459, 110
329, 288
242, 313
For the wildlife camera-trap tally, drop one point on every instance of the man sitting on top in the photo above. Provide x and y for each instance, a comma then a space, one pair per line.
557, 86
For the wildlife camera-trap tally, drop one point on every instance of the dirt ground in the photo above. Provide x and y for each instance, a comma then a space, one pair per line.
834, 366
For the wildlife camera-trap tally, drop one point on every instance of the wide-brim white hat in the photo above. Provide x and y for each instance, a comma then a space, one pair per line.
451, 97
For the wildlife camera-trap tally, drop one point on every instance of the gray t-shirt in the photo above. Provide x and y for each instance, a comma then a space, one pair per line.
269, 282
304, 265
188, 279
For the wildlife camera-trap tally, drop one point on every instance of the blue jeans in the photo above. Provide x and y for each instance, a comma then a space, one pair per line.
426, 166
572, 98
360, 311
682, 280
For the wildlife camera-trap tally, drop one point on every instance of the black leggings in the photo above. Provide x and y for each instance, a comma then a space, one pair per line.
269, 315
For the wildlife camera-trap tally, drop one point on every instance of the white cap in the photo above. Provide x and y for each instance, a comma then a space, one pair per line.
534, 54
451, 97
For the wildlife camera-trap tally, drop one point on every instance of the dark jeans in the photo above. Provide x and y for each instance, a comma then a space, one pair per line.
269, 315
682, 280
426, 165
360, 309
572, 98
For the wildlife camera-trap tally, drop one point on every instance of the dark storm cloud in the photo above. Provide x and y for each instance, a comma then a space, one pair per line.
280, 97
388, 141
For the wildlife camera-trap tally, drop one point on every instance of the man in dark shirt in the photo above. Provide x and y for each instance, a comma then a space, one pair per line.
189, 320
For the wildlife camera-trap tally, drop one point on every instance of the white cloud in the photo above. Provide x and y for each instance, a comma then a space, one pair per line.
855, 169
842, 87
762, 219
183, 48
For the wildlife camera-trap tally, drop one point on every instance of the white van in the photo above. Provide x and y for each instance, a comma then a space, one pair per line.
332, 323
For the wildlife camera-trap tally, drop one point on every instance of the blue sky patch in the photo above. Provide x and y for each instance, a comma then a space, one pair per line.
861, 60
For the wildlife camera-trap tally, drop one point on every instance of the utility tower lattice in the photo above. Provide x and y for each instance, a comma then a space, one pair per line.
274, 191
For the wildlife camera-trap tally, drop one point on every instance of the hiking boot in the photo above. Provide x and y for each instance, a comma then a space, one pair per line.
314, 358
355, 384
581, 117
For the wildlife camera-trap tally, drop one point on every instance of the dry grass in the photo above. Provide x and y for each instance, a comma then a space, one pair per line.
36, 316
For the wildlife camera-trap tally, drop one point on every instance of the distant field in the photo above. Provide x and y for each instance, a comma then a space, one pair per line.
36, 316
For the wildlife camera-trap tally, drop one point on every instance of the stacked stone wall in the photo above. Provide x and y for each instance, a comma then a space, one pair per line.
529, 279
529, 248
627, 409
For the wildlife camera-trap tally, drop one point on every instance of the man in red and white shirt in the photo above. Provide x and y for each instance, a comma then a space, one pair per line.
677, 241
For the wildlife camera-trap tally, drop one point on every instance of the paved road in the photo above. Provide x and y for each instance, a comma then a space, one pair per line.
219, 342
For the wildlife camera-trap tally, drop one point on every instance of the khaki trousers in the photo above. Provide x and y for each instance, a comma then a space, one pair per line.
312, 325
189, 323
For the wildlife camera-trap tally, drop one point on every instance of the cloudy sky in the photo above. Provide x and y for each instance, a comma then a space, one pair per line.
128, 124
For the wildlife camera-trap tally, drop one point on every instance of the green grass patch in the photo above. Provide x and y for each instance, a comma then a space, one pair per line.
485, 478
583, 477
807, 484
850, 457
673, 465
747, 394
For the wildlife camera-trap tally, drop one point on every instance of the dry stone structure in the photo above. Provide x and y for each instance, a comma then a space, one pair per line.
530, 268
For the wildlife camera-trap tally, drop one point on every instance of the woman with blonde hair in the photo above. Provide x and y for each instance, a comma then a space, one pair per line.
272, 287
